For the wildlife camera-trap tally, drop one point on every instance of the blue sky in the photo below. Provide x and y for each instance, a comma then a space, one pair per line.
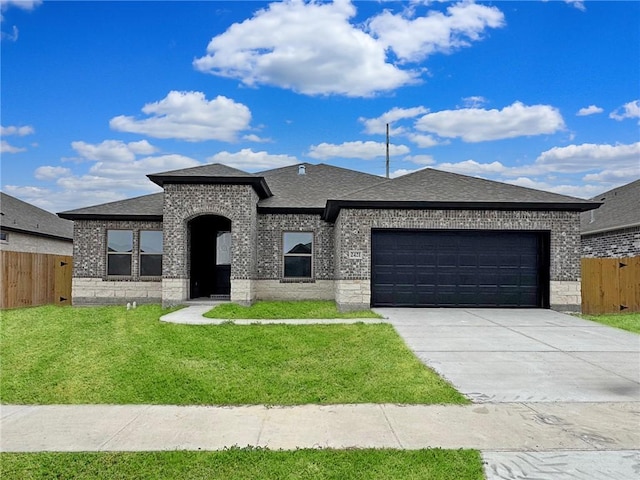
96, 95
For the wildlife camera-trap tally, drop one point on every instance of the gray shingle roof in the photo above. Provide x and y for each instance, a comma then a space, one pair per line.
313, 189
430, 185
328, 188
145, 207
213, 173
21, 216
621, 208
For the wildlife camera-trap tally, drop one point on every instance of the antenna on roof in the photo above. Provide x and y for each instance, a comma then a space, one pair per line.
387, 150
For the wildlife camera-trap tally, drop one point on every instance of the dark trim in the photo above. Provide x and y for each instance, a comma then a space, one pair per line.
333, 207
285, 210
107, 216
37, 234
259, 184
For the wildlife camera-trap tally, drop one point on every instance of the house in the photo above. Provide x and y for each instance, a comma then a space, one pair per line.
309, 231
613, 230
27, 228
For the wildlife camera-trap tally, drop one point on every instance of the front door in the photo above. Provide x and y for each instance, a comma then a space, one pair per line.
210, 256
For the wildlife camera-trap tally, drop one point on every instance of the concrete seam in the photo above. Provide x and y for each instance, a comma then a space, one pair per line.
391, 426
101, 446
262, 425
562, 427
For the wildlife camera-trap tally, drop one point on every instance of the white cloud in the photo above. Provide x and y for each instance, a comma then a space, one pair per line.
589, 156
116, 172
579, 4
359, 149
189, 116
420, 159
113, 150
378, 125
425, 141
580, 190
247, 159
628, 110
255, 138
51, 173
475, 101
5, 147
19, 131
413, 39
314, 49
22, 4
478, 125
590, 110
471, 167
403, 171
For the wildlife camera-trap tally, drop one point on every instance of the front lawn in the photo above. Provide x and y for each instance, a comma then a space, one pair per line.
248, 464
67, 355
285, 310
625, 321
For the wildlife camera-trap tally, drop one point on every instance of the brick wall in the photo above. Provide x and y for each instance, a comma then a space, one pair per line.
90, 245
270, 230
613, 244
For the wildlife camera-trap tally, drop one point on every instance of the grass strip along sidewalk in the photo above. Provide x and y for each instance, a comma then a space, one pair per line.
625, 321
248, 464
67, 355
285, 310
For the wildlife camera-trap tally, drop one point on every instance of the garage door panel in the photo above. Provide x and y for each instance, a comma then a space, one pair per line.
457, 268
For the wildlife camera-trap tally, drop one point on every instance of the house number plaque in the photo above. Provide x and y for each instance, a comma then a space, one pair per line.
355, 254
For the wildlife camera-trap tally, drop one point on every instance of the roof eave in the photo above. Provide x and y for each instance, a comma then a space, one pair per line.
37, 234
107, 216
609, 229
294, 210
333, 207
259, 184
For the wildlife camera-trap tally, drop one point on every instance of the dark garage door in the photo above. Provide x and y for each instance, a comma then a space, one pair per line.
427, 268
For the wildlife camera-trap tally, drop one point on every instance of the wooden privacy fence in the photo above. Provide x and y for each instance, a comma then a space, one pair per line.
29, 279
610, 285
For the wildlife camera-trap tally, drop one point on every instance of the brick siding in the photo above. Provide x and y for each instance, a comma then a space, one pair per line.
613, 244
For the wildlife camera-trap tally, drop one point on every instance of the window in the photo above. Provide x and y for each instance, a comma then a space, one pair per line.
223, 248
298, 254
150, 253
119, 251
4, 237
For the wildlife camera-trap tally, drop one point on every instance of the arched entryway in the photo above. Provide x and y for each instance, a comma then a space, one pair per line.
210, 257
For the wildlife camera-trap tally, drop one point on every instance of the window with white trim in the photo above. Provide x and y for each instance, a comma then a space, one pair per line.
119, 252
297, 254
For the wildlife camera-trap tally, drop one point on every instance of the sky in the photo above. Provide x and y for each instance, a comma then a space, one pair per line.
96, 95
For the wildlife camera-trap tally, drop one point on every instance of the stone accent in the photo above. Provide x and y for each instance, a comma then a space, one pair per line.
353, 294
612, 244
270, 249
277, 290
174, 291
242, 291
565, 295
353, 236
184, 202
96, 291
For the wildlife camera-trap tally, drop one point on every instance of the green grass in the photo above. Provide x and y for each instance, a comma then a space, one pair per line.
625, 321
67, 355
248, 464
284, 310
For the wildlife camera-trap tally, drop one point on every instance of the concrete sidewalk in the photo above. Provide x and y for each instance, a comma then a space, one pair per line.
515, 427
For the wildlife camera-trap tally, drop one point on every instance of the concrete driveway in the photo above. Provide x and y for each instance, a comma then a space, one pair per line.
509, 355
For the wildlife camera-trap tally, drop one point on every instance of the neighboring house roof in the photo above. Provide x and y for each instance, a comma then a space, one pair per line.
326, 189
19, 216
147, 207
213, 173
620, 209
